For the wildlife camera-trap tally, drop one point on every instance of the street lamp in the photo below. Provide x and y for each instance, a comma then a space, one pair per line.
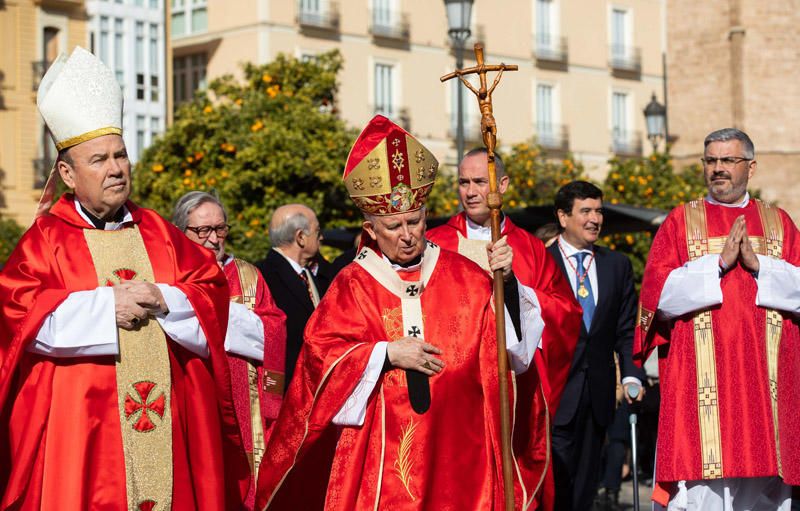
655, 114
458, 16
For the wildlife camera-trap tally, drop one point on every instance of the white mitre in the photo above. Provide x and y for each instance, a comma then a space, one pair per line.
80, 99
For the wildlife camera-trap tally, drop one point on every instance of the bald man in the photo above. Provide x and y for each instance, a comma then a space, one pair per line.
292, 272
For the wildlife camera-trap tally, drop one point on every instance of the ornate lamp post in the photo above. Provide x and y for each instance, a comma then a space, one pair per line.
458, 22
655, 115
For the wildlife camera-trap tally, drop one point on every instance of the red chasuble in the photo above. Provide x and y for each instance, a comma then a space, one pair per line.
60, 436
534, 268
729, 375
270, 394
446, 458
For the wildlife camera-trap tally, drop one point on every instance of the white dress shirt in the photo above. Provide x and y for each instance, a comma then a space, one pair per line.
245, 334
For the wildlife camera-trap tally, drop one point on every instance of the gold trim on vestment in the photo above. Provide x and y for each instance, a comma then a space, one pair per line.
403, 464
248, 279
474, 250
773, 247
89, 135
705, 357
142, 373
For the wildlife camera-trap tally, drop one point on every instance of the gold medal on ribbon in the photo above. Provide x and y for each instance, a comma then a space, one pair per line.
582, 291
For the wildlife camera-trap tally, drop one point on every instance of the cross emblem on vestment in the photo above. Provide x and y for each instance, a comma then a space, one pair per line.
156, 406
412, 290
414, 331
362, 255
147, 505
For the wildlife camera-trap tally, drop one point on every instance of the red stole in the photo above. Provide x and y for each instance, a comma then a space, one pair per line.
60, 443
743, 440
445, 458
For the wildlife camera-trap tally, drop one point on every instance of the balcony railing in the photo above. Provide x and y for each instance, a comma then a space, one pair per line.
626, 143
392, 26
554, 137
325, 18
625, 58
550, 48
39, 68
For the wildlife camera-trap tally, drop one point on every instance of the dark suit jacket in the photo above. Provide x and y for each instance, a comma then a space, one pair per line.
291, 296
611, 330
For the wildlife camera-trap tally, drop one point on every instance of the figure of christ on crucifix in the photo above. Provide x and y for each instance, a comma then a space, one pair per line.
484, 95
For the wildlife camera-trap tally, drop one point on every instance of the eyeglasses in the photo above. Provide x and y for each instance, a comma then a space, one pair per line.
726, 162
204, 231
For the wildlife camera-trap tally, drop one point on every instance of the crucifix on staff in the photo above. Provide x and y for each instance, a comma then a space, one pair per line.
495, 202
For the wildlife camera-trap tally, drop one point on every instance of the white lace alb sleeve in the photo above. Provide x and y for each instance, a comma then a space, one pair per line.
181, 323
532, 326
778, 285
693, 286
245, 335
354, 409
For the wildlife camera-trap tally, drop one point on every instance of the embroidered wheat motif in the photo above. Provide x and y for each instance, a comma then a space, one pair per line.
403, 463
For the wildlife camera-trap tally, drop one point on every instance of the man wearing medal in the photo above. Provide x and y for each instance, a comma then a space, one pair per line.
602, 281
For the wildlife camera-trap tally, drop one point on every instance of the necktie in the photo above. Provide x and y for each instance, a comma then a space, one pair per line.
587, 301
310, 287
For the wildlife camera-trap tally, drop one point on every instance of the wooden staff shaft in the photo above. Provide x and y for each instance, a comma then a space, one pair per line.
495, 201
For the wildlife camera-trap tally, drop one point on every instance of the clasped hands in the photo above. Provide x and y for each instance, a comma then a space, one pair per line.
738, 248
135, 300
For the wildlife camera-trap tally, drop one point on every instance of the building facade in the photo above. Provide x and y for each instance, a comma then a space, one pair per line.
586, 69
737, 69
129, 36
32, 34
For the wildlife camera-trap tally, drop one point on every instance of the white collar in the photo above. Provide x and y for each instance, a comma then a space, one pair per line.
404, 269
110, 226
568, 249
479, 232
744, 203
295, 265
228, 259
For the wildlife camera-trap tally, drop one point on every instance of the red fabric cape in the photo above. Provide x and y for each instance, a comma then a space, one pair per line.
561, 313
274, 321
60, 440
451, 459
746, 425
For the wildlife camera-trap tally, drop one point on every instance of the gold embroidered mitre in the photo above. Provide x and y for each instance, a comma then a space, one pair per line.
388, 171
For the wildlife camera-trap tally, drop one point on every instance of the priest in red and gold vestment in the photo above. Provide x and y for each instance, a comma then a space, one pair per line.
256, 337
719, 301
469, 234
401, 355
114, 386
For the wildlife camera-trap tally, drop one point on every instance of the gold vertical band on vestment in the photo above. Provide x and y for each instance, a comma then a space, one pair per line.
705, 358
143, 376
773, 245
248, 280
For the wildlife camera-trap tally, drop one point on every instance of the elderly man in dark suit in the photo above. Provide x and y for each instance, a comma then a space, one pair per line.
602, 281
293, 273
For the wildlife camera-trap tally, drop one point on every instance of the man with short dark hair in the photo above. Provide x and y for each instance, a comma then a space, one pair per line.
602, 282
293, 272
255, 339
114, 386
719, 301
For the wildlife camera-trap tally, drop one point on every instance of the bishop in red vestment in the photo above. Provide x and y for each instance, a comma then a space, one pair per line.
114, 386
401, 355
719, 302
255, 341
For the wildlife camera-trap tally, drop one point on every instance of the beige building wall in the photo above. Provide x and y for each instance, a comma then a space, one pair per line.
582, 83
22, 53
737, 69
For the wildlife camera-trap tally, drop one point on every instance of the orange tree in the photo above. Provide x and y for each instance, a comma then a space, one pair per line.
534, 179
270, 139
649, 182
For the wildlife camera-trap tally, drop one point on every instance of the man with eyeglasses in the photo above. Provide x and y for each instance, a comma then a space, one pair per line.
719, 300
114, 386
255, 340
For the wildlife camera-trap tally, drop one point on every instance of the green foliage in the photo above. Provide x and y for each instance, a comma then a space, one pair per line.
10, 233
534, 180
649, 182
271, 139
